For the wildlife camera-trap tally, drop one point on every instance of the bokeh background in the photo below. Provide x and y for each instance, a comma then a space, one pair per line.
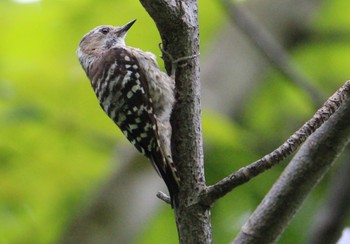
57, 148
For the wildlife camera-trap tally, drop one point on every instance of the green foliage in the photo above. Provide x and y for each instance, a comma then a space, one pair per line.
56, 143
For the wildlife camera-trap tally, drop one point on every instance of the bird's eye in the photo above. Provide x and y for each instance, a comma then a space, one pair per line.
104, 30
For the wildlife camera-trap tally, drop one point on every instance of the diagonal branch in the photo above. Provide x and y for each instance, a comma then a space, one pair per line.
271, 48
332, 216
302, 174
246, 173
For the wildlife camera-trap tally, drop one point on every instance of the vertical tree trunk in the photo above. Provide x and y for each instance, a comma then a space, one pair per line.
177, 22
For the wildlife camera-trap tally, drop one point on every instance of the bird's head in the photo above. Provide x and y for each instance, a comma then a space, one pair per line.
101, 39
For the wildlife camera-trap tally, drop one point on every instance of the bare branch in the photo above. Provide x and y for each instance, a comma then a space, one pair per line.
305, 171
164, 197
246, 173
330, 220
271, 49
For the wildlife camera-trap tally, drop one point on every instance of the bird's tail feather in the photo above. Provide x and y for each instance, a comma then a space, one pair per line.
167, 170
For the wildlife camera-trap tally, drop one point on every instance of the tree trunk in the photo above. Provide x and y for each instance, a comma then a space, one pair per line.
177, 22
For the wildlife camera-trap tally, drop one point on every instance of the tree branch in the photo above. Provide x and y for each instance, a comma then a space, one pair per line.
177, 22
246, 173
330, 220
306, 169
162, 196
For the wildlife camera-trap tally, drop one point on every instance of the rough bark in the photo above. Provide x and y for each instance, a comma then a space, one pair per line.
248, 172
306, 169
177, 22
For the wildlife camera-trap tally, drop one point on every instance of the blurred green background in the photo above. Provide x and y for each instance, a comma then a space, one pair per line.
56, 144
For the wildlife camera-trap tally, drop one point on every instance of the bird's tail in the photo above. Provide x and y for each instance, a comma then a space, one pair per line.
167, 170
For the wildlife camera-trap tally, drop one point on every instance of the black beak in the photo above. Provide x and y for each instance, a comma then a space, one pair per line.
126, 27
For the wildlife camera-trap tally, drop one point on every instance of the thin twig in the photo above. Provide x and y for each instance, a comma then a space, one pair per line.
271, 49
164, 197
246, 173
174, 62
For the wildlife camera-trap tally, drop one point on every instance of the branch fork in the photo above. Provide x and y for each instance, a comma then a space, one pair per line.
221, 188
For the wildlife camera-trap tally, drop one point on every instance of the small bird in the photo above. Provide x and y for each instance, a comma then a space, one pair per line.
134, 93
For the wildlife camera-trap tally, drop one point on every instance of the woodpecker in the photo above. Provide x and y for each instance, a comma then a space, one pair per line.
134, 93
